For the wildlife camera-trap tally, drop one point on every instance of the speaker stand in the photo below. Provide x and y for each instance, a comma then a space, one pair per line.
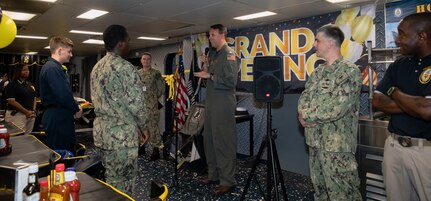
274, 175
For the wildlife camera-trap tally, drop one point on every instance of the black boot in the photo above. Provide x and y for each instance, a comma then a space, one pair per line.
155, 155
141, 151
165, 154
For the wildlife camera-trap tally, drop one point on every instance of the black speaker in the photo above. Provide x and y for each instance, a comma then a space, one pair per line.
268, 79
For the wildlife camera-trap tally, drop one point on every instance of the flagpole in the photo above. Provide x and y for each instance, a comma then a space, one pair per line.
175, 126
179, 74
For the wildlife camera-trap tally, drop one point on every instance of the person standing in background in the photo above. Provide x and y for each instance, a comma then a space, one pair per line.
153, 87
21, 98
57, 97
4, 81
405, 94
121, 116
328, 109
220, 141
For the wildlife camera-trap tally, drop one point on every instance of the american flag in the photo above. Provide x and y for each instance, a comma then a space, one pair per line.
182, 99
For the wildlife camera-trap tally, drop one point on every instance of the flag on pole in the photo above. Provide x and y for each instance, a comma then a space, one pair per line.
182, 100
192, 82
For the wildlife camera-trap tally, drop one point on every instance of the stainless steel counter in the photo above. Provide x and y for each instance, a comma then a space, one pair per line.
371, 140
372, 133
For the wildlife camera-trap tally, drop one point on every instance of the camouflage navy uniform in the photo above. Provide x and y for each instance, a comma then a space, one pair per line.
219, 128
331, 101
154, 87
116, 92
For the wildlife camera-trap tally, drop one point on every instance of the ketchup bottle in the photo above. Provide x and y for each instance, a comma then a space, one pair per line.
73, 183
5, 147
44, 192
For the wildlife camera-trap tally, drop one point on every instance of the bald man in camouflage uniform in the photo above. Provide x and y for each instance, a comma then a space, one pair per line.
154, 87
328, 109
116, 92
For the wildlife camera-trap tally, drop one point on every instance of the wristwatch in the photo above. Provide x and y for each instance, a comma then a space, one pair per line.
391, 91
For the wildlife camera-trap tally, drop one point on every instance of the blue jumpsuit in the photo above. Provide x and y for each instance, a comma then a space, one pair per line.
57, 97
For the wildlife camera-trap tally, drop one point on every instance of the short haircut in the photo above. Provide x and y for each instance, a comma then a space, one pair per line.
17, 71
420, 22
59, 41
114, 34
221, 28
333, 32
147, 53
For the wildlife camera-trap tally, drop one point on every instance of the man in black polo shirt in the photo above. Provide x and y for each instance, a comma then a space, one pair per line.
405, 93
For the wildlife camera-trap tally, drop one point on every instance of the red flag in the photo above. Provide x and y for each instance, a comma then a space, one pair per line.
182, 99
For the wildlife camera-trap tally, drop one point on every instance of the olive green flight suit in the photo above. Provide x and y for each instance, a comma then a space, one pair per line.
219, 131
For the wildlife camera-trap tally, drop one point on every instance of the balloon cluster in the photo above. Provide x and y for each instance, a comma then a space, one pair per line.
357, 26
7, 30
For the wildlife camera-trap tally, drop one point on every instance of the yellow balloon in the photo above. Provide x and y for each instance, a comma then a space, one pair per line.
351, 50
347, 16
7, 31
361, 28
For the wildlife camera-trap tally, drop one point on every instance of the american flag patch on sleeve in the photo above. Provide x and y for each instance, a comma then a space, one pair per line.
231, 56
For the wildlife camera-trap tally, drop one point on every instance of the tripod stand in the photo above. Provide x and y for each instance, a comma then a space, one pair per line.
274, 174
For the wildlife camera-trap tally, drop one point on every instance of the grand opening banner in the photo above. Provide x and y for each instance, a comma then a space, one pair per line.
293, 41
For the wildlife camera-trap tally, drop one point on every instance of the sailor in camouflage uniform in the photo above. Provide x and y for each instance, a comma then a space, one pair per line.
328, 109
154, 87
116, 92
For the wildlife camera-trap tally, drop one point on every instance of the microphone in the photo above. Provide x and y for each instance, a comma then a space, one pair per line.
207, 49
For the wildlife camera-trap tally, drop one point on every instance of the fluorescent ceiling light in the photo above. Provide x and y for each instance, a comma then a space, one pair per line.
50, 1
150, 38
255, 15
19, 15
337, 1
91, 14
31, 53
94, 41
47, 47
31, 37
86, 32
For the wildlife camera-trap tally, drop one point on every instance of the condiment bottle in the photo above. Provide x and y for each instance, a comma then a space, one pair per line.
31, 191
60, 191
44, 192
5, 147
73, 183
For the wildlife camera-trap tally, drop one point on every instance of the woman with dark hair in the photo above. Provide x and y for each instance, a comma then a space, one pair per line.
21, 99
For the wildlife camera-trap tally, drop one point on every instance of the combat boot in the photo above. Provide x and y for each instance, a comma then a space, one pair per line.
155, 155
141, 151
